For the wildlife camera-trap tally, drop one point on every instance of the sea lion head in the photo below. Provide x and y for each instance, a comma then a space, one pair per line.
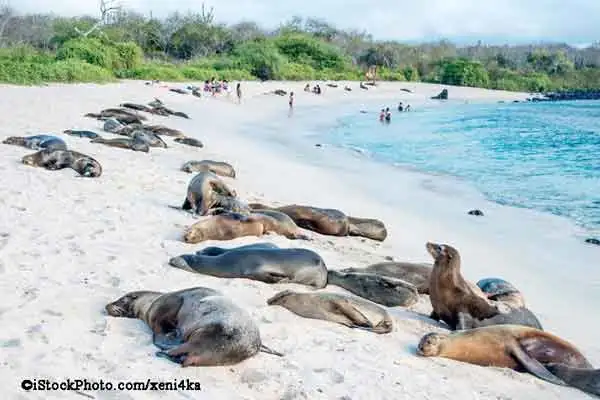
30, 159
91, 169
430, 344
194, 235
132, 305
280, 298
442, 253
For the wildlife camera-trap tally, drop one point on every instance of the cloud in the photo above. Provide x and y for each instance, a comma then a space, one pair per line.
574, 21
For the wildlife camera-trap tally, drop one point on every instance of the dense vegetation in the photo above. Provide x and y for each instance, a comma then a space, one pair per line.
122, 44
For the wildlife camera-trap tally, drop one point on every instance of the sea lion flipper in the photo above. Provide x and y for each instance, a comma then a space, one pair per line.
358, 319
168, 340
533, 366
163, 318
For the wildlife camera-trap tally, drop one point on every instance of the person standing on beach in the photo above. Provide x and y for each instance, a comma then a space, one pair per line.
238, 91
291, 102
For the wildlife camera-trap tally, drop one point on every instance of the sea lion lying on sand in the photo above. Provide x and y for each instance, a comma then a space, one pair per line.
511, 346
113, 126
349, 311
55, 159
416, 274
225, 204
584, 379
220, 168
450, 293
500, 290
189, 141
37, 142
194, 327
122, 115
82, 134
202, 193
258, 262
229, 225
150, 138
367, 227
390, 292
124, 143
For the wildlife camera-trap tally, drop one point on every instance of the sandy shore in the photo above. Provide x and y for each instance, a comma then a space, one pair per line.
69, 245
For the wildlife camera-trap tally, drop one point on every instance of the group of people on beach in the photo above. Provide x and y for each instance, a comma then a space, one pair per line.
316, 89
214, 87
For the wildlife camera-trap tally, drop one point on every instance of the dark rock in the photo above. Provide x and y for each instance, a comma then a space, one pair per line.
318, 145
477, 213
573, 94
442, 96
593, 241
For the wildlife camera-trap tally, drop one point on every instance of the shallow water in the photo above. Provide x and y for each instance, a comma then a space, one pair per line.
543, 156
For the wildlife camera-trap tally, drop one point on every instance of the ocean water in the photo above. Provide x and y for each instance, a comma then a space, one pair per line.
541, 156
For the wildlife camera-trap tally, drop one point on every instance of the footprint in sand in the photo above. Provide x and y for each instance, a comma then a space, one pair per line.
332, 375
35, 332
29, 295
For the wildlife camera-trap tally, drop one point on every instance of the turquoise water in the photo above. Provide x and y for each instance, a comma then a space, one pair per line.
543, 156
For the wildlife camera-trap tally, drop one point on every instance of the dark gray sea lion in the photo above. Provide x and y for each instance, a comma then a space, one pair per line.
366, 227
216, 250
500, 290
163, 130
269, 265
189, 141
507, 346
416, 274
156, 103
124, 143
177, 90
509, 316
55, 159
137, 107
220, 168
450, 293
194, 327
476, 213
390, 292
443, 95
593, 241
229, 225
584, 379
82, 134
349, 311
122, 115
150, 138
202, 191
112, 125
37, 142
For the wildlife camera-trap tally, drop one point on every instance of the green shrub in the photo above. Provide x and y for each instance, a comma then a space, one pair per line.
297, 72
31, 73
301, 48
261, 58
463, 72
90, 50
385, 74
411, 73
128, 55
152, 71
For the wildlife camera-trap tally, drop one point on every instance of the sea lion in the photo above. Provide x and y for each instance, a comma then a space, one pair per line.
511, 316
82, 134
189, 141
584, 379
216, 250
500, 290
450, 293
229, 225
55, 159
349, 311
390, 292
284, 221
163, 130
151, 139
177, 90
194, 327
137, 107
112, 125
416, 274
220, 168
476, 213
37, 142
326, 221
269, 265
156, 102
202, 191
124, 143
224, 204
507, 346
122, 115
367, 227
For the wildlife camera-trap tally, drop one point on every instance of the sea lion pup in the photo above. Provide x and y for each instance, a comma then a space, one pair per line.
202, 191
416, 274
124, 143
350, 311
150, 138
55, 159
82, 134
37, 142
450, 294
284, 221
509, 346
584, 379
326, 221
497, 289
367, 227
390, 292
194, 327
189, 141
231, 225
122, 115
269, 265
220, 168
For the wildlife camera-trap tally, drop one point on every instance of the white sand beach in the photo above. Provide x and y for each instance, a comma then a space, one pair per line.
70, 245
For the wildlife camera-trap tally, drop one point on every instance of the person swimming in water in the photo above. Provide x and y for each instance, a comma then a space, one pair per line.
382, 115
388, 115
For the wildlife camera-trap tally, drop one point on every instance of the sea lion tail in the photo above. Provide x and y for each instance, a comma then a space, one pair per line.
267, 350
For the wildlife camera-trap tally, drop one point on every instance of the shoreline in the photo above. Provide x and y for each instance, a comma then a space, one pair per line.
118, 235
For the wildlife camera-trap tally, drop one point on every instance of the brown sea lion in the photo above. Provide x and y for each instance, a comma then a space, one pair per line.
124, 143
416, 274
349, 311
202, 191
390, 292
220, 168
258, 262
228, 226
508, 346
55, 159
189, 141
37, 142
194, 327
284, 220
367, 227
450, 293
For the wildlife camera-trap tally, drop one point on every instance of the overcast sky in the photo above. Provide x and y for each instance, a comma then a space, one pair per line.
498, 21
